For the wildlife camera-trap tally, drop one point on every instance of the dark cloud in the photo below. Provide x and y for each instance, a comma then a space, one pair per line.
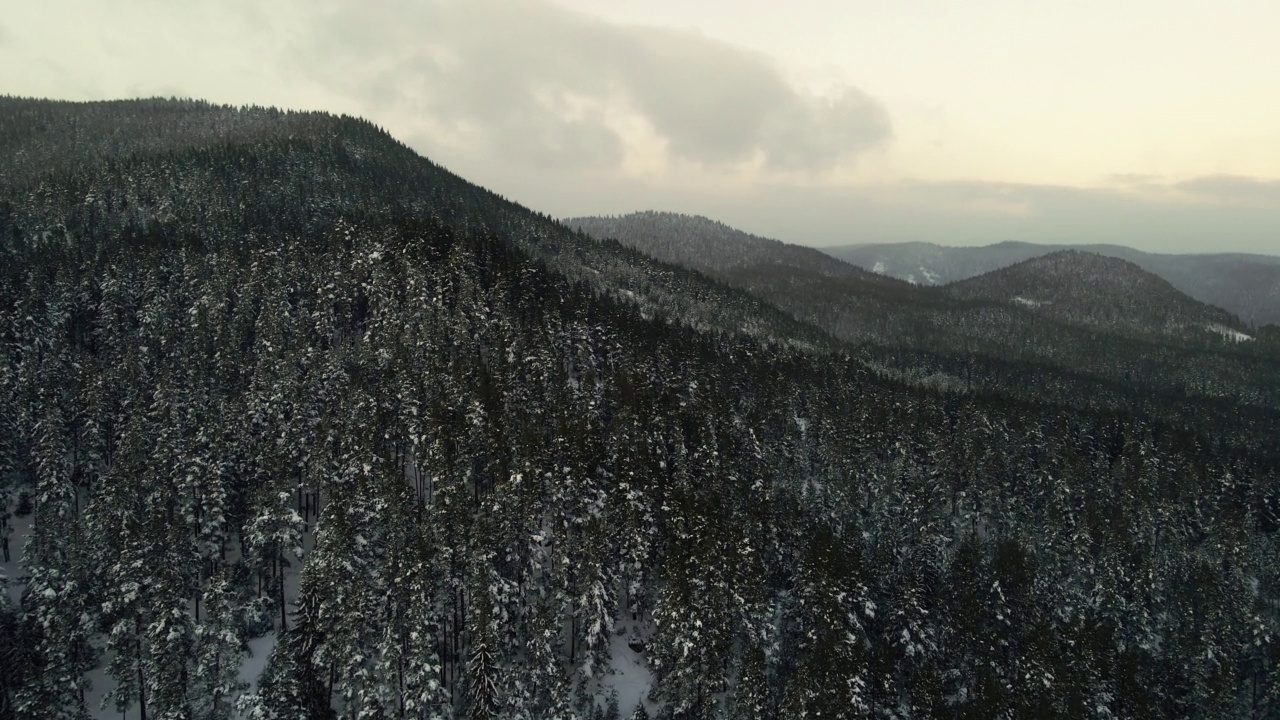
545, 86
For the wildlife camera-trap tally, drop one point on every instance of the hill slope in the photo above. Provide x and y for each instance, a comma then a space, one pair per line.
156, 166
711, 247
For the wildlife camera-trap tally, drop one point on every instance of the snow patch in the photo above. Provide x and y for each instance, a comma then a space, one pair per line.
1028, 302
100, 684
259, 650
932, 277
878, 267
1228, 333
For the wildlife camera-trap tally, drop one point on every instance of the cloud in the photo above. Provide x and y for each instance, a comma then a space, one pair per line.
1134, 181
979, 213
548, 87
967, 197
1231, 189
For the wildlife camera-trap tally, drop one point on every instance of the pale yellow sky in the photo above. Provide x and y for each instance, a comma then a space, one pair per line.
1153, 124
1034, 92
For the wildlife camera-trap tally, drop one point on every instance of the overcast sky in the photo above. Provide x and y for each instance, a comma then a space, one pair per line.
1151, 123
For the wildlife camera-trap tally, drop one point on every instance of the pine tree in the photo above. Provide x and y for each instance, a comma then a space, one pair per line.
483, 671
220, 651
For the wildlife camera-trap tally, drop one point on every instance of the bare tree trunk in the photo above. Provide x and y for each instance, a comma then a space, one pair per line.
142, 685
284, 623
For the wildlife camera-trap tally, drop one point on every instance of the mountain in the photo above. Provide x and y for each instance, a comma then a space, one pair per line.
1245, 285
712, 247
295, 423
1089, 289
1113, 322
340, 166
801, 281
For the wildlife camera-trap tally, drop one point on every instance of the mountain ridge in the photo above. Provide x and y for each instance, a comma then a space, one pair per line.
407, 185
1245, 284
731, 248
1063, 283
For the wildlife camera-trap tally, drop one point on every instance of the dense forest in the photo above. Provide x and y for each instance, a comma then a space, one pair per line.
271, 381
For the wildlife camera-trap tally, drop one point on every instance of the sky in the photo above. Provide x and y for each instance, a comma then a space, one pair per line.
1149, 123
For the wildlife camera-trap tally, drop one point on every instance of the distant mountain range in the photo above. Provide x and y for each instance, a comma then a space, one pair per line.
1079, 287
1066, 311
1245, 285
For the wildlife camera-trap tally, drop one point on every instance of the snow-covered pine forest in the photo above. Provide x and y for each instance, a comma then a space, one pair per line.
271, 381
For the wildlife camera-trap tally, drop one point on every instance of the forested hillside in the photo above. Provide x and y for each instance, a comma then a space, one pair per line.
277, 384
1094, 291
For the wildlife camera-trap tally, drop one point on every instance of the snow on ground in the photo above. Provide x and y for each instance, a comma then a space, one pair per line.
1228, 333
628, 674
16, 583
878, 268
103, 683
293, 576
932, 277
1028, 302
259, 650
